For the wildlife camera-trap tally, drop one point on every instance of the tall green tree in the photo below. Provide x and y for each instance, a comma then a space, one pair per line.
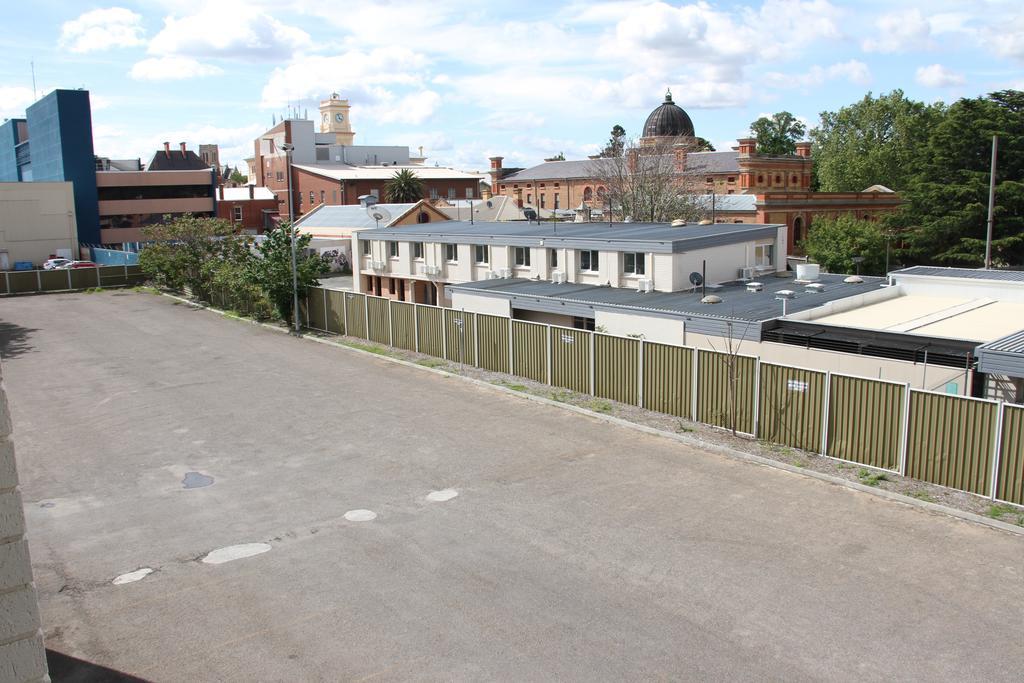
404, 187
271, 269
237, 177
616, 143
778, 134
835, 242
185, 250
876, 141
703, 145
945, 217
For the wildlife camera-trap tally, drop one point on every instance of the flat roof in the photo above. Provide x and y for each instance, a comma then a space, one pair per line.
737, 303
647, 237
964, 273
238, 194
347, 216
350, 172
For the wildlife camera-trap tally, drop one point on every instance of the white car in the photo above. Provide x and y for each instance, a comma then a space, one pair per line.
54, 263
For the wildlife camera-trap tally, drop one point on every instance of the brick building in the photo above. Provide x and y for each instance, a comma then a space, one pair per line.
249, 208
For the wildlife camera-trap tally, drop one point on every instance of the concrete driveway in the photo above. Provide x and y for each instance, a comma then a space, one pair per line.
573, 550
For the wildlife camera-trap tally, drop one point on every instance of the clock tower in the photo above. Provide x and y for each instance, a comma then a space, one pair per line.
334, 118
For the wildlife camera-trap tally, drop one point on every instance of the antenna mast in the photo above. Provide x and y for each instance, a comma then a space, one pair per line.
32, 65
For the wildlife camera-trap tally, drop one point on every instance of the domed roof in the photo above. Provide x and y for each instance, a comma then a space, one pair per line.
668, 120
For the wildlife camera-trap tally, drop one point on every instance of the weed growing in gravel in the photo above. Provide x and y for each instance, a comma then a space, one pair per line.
683, 428
372, 348
431, 363
601, 406
871, 478
561, 396
1006, 513
922, 495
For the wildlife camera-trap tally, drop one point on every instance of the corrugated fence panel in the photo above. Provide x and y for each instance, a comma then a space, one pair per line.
529, 350
84, 278
616, 368
865, 418
3, 283
403, 325
355, 315
317, 318
570, 359
135, 275
430, 330
27, 280
335, 311
53, 280
668, 379
791, 406
1010, 482
950, 441
303, 310
378, 320
492, 331
460, 344
111, 276
716, 400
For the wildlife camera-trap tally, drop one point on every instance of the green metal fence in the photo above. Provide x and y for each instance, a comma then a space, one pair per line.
403, 324
492, 342
113, 276
668, 379
865, 421
430, 330
355, 315
725, 390
617, 368
54, 280
335, 311
950, 440
84, 278
460, 336
25, 281
529, 350
570, 359
316, 308
1010, 474
791, 406
29, 281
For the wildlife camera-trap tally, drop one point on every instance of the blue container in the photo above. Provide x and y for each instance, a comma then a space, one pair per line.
23, 265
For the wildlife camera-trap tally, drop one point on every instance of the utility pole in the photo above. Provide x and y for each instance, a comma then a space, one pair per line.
291, 229
991, 203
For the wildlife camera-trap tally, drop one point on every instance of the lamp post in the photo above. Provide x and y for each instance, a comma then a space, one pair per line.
287, 147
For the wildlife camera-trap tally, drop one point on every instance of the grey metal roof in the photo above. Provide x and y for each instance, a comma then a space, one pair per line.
728, 202
697, 162
649, 237
965, 273
713, 162
347, 216
737, 303
1003, 356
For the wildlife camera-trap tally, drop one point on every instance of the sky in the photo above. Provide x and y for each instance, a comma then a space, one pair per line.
471, 80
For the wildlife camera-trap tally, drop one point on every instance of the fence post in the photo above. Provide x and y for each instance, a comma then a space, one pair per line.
391, 325
326, 326
99, 283
998, 448
126, 272
7, 280
757, 396
906, 430
511, 349
444, 332
344, 313
415, 325
551, 351
39, 280
824, 412
593, 363
476, 339
640, 374
69, 279
695, 384
366, 317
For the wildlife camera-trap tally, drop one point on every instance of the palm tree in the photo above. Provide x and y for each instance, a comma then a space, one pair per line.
404, 187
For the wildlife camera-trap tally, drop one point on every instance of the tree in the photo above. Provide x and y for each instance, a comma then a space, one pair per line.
184, 251
404, 187
237, 177
613, 148
834, 242
271, 269
876, 141
945, 217
703, 145
558, 157
777, 135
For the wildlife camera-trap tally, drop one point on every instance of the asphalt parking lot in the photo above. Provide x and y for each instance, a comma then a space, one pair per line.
151, 435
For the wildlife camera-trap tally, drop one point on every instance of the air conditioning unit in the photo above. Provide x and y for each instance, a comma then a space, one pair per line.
378, 265
645, 285
493, 275
747, 273
506, 272
557, 277
432, 270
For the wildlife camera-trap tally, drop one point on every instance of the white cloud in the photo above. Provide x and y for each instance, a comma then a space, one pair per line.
102, 29
938, 76
229, 29
514, 121
120, 142
14, 100
1007, 40
413, 108
900, 32
853, 71
171, 69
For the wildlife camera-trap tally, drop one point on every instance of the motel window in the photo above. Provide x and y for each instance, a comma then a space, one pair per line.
589, 260
433, 193
451, 252
633, 263
542, 201
481, 253
323, 196
393, 249
522, 256
584, 323
366, 247
417, 250
469, 193
451, 193
280, 177
529, 199
557, 205
236, 213
764, 254
553, 257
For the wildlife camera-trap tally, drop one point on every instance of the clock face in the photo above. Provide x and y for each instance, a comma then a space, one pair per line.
339, 117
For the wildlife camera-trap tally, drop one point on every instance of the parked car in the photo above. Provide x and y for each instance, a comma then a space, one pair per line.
54, 263
79, 264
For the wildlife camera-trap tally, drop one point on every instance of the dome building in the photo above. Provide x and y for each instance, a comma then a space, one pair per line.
666, 122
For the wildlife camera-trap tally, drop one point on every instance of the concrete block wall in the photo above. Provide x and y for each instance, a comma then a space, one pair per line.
22, 657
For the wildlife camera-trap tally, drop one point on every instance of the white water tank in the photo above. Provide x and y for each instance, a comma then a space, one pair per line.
807, 271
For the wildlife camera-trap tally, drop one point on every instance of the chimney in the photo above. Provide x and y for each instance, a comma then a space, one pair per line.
803, 149
496, 174
182, 144
252, 191
220, 192
167, 149
748, 147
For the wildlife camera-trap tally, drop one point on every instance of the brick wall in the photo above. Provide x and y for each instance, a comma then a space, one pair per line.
22, 657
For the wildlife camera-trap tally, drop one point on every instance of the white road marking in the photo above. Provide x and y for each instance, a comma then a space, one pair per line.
442, 496
360, 515
132, 577
235, 552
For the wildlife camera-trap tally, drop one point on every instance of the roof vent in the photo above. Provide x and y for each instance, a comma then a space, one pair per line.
785, 294
711, 299
815, 287
678, 223
754, 287
853, 279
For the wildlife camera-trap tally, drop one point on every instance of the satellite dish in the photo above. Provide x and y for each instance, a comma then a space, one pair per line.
378, 214
490, 204
530, 214
696, 279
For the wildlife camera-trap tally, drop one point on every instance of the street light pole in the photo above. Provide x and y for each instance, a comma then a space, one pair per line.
991, 203
291, 229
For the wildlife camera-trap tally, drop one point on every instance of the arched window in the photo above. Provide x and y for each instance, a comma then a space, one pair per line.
323, 196
760, 180
601, 192
778, 180
588, 194
798, 230
423, 217
795, 180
